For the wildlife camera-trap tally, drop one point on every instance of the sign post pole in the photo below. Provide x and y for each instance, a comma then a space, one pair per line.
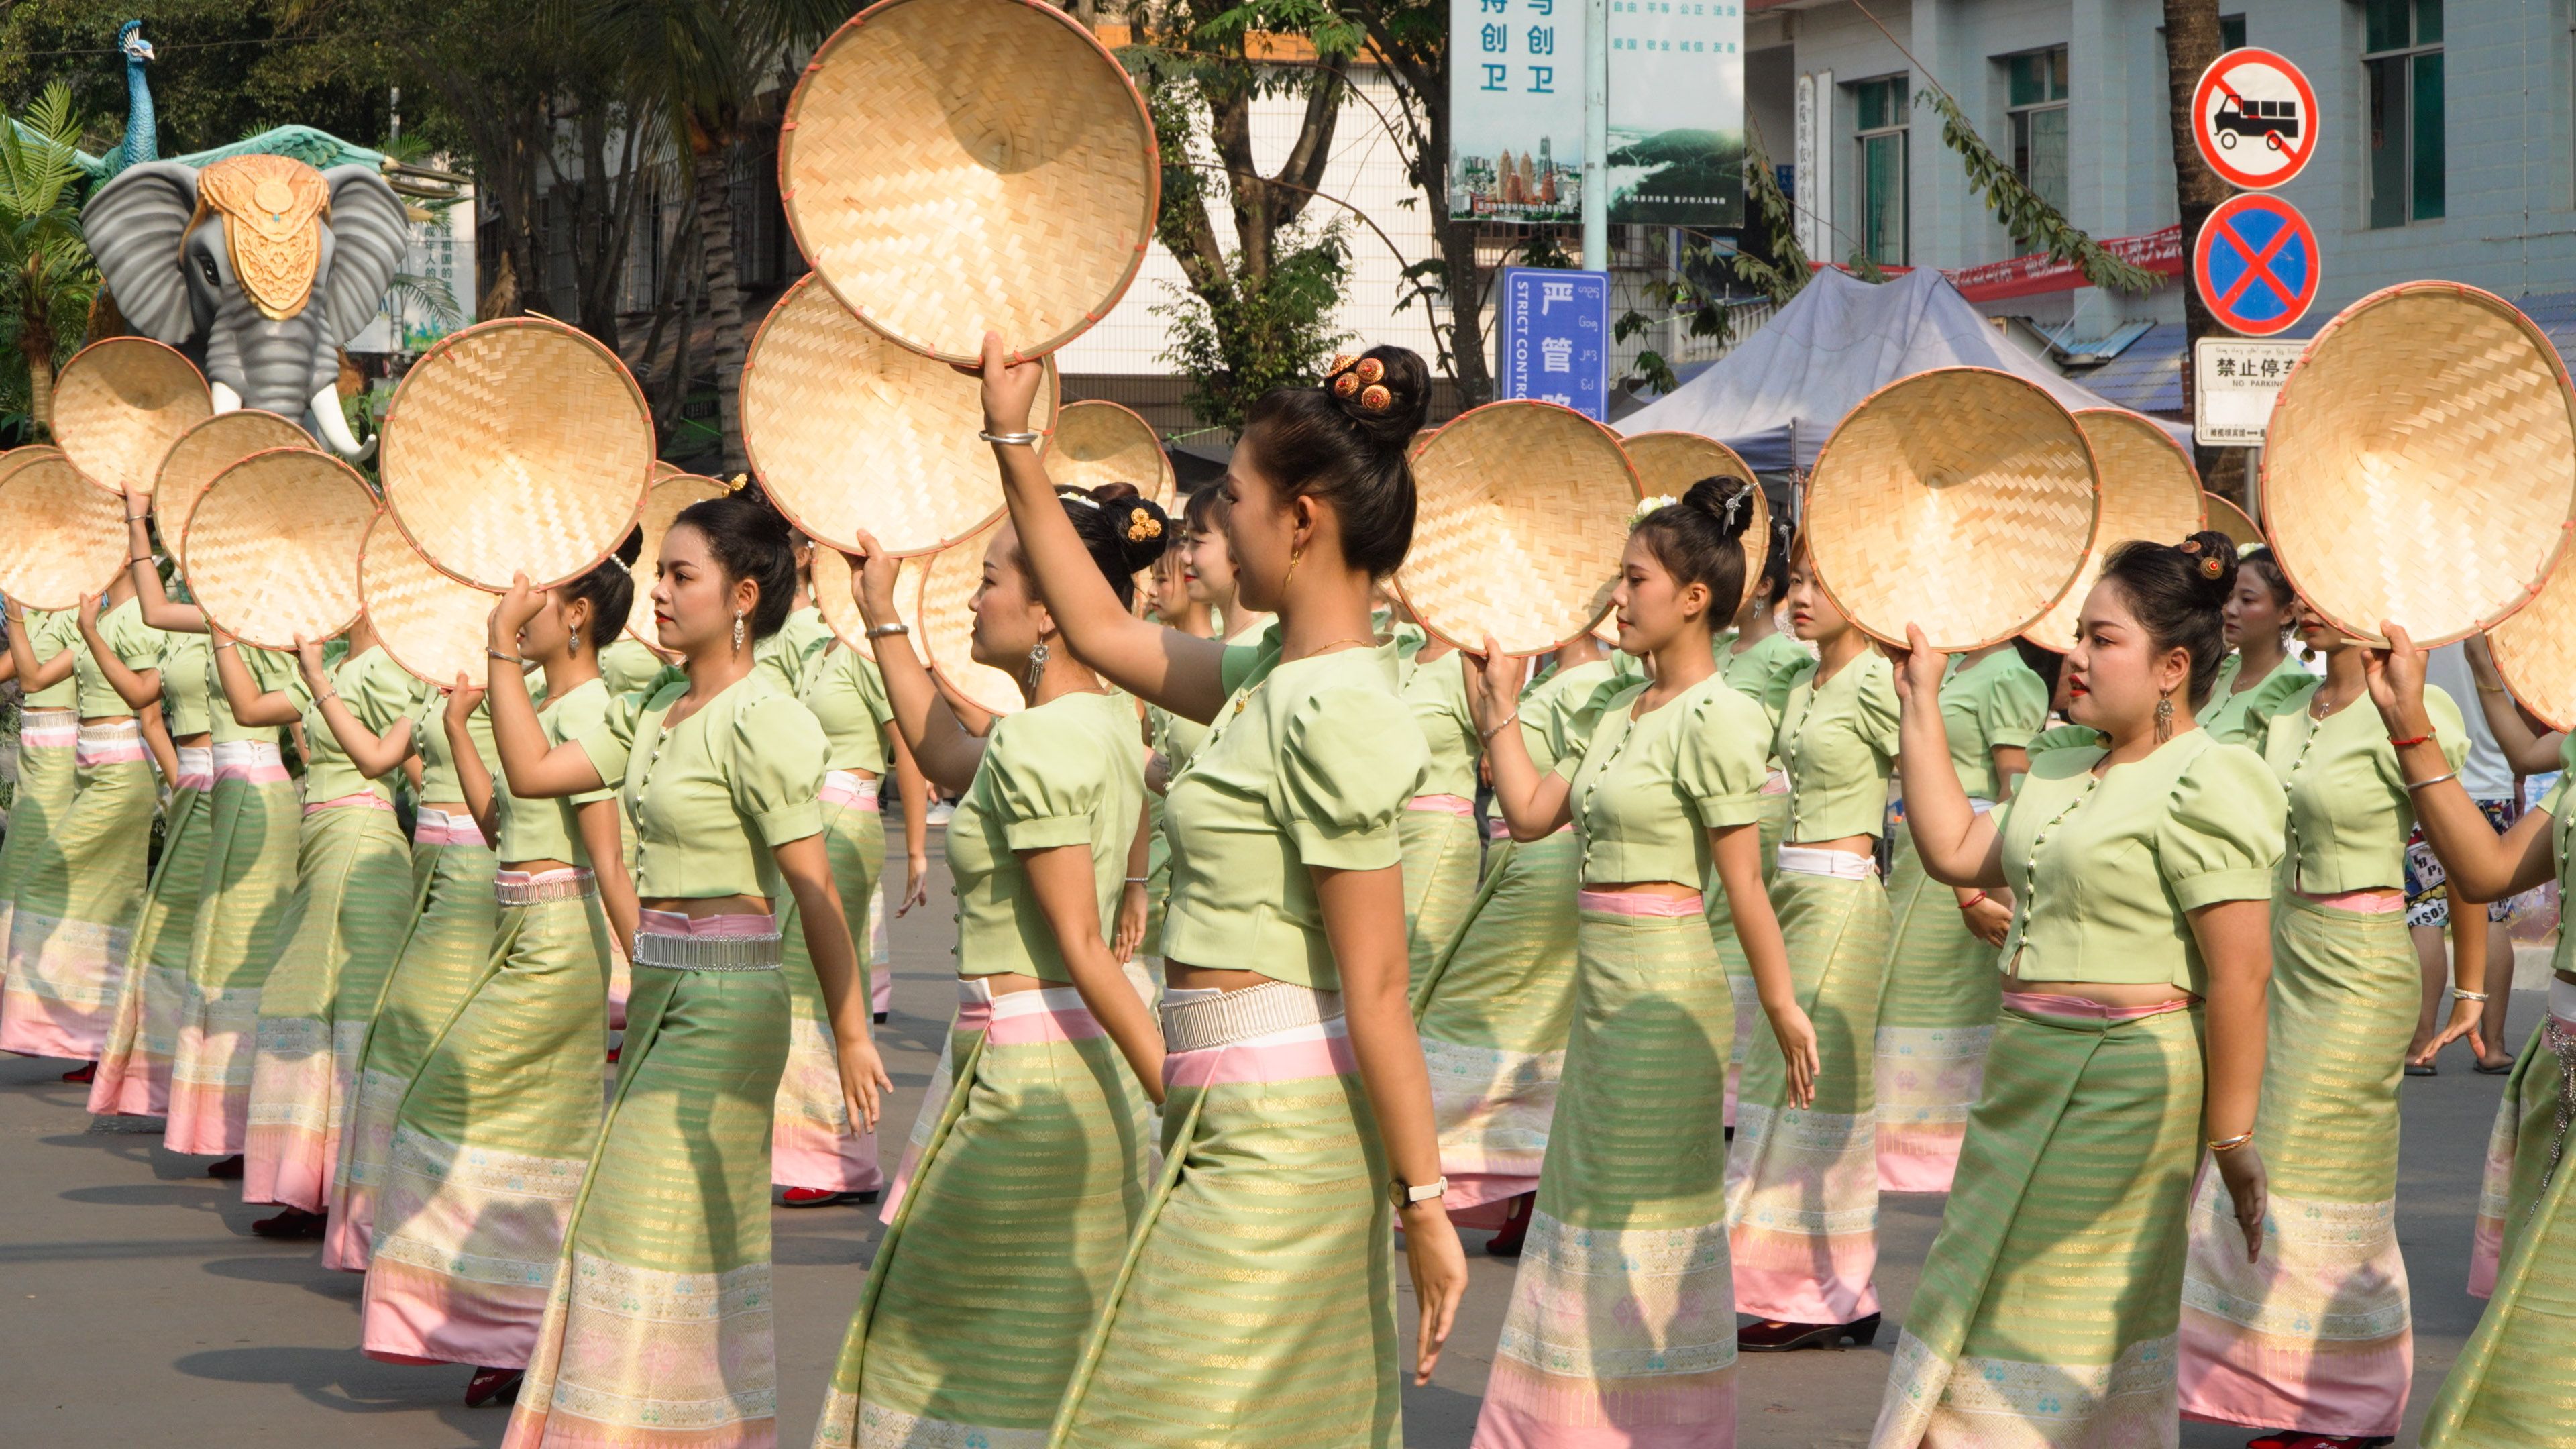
1596, 135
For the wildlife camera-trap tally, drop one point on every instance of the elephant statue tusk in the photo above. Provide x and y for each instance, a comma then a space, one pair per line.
226, 400
335, 426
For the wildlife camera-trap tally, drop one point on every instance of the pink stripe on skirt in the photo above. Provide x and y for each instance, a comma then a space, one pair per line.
1638, 903
1457, 805
361, 800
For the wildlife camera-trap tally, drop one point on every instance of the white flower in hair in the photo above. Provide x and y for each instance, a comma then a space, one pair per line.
1649, 505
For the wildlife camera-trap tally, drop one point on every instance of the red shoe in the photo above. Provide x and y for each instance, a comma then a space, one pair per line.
489, 1384
2301, 1439
82, 1074
1516, 1221
1772, 1336
291, 1223
227, 1169
813, 1197
613, 1051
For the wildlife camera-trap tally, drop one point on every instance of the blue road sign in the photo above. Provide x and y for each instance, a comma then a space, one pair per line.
2256, 264
1553, 341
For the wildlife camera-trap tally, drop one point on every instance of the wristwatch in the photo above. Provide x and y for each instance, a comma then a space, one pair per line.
1405, 1195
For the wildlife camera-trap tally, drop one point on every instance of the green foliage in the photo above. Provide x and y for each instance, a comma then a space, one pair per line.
47, 275
1787, 270
1251, 336
2023, 211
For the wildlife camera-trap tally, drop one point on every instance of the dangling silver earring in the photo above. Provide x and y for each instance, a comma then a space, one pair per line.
2164, 717
737, 633
1037, 665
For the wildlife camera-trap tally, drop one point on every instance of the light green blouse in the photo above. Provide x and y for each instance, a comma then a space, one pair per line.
2562, 824
2349, 809
1172, 737
711, 795
1308, 764
1558, 713
2103, 871
185, 705
545, 829
848, 697
791, 652
1646, 791
50, 632
1069, 772
1765, 672
379, 692
127, 637
439, 784
1436, 693
270, 672
1838, 744
628, 666
1997, 703
2230, 717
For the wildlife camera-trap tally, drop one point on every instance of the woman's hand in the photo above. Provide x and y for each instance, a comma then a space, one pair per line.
1010, 387
916, 884
872, 576
1131, 923
12, 610
863, 1078
1797, 1038
1918, 667
512, 614
2481, 659
1988, 919
462, 698
2465, 1016
308, 658
1493, 685
2395, 676
89, 613
2241, 1168
1439, 1268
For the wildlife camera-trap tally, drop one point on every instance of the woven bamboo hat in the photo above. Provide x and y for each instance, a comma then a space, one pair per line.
1960, 499
672, 492
203, 451
2421, 463
1100, 442
433, 626
120, 404
2231, 520
2149, 490
841, 611
943, 623
1668, 463
1522, 513
519, 445
272, 546
851, 433
2535, 650
55, 531
953, 167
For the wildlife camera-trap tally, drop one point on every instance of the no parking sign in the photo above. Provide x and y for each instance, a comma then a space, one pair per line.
2255, 263
2255, 117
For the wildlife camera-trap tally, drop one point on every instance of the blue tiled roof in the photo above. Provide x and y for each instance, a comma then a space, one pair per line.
2147, 375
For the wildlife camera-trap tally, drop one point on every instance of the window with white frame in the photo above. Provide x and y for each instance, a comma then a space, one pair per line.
1880, 109
2035, 98
2404, 160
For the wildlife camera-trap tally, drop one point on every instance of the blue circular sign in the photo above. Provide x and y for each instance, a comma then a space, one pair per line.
2255, 264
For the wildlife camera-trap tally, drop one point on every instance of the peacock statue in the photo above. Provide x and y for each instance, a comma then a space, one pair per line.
142, 137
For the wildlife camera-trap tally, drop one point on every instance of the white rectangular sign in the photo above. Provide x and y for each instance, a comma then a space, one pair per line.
2234, 382
1516, 109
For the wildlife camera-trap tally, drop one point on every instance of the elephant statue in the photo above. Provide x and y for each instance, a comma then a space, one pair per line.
259, 267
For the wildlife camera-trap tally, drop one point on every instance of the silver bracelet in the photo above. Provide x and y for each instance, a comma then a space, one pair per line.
1016, 440
2459, 995
880, 631
1139, 880
2413, 785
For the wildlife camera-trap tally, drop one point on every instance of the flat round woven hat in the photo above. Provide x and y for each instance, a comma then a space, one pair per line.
2231, 520
1096, 443
2149, 490
672, 492
119, 405
203, 451
433, 626
2535, 650
2421, 463
841, 611
943, 624
1521, 514
850, 433
1960, 499
953, 167
272, 547
1668, 463
519, 445
55, 531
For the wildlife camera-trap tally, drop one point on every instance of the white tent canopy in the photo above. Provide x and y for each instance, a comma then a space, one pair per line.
1777, 396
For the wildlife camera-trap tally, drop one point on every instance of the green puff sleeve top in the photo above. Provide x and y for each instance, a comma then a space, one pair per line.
1647, 790
185, 704
50, 632
1838, 743
712, 795
381, 694
1068, 772
2231, 717
1554, 721
628, 666
439, 784
1996, 703
270, 673
790, 654
2104, 870
2349, 809
1307, 764
1765, 672
127, 637
545, 829
1436, 694
848, 699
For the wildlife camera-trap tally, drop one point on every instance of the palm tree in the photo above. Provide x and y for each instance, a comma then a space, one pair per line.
47, 275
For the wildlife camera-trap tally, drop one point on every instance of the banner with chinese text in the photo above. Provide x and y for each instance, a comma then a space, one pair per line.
1516, 109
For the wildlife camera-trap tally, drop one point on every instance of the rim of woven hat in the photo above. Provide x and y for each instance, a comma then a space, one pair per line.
434, 627
1960, 499
55, 527
850, 433
2149, 490
1521, 514
943, 623
2420, 464
2225, 517
840, 611
952, 167
272, 546
2535, 650
1669, 462
518, 445
670, 493
118, 406
1095, 442
203, 451
662, 470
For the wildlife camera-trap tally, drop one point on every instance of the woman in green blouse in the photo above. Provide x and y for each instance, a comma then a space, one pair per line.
660, 1313
1169, 739
2131, 1041
1011, 1224
1256, 1305
48, 743
1761, 661
1442, 854
1802, 1181
2261, 611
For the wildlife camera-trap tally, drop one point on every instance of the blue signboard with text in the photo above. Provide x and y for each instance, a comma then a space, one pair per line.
1552, 339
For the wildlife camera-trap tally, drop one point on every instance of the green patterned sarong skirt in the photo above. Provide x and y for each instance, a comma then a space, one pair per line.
48, 774
1441, 861
253, 817
134, 1067
1721, 926
1936, 1021
814, 1143
72, 927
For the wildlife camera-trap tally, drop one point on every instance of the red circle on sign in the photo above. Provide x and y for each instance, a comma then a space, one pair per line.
2254, 141
2256, 264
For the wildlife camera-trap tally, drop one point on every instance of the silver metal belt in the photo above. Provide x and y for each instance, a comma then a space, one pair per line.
580, 885
1214, 1021
707, 953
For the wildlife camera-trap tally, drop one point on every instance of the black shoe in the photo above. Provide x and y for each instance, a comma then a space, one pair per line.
290, 1223
1774, 1337
489, 1384
226, 1169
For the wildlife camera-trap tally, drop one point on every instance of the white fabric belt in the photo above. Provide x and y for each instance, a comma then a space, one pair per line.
1982, 807
239, 754
1193, 1022
1839, 864
518, 888
707, 953
196, 766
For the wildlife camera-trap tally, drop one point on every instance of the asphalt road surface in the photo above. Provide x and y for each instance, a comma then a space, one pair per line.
136, 1307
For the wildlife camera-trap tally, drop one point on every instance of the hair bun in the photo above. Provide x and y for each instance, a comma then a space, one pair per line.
633, 547
1384, 392
1144, 529
2213, 558
1726, 499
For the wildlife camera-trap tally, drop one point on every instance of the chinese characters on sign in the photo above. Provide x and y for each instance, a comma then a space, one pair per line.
2235, 381
1552, 340
1516, 107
